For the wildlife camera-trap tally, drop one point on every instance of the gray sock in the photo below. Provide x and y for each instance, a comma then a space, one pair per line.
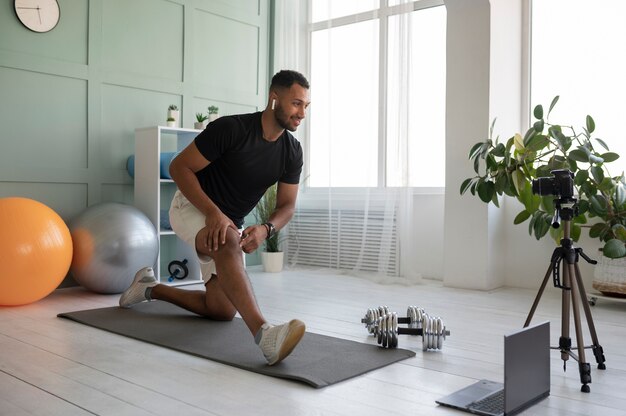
149, 293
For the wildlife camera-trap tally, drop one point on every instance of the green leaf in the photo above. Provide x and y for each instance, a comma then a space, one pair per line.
476, 164
474, 150
602, 143
501, 183
493, 124
538, 126
547, 202
492, 165
499, 150
598, 229
538, 142
552, 104
538, 112
494, 199
620, 195
598, 205
614, 249
518, 180
581, 177
575, 232
542, 225
609, 157
597, 173
465, 185
579, 155
529, 135
521, 217
619, 231
591, 125
486, 189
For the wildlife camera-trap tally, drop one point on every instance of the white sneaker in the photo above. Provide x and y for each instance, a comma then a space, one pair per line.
277, 342
136, 293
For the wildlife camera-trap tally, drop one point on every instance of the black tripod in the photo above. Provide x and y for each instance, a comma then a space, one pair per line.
572, 284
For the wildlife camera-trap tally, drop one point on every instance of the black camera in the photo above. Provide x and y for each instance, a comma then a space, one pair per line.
560, 185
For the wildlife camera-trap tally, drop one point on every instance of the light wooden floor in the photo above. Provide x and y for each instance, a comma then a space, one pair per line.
52, 366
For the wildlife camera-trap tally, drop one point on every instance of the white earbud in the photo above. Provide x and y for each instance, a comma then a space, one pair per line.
273, 104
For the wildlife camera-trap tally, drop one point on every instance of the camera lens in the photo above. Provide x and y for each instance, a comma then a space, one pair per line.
543, 186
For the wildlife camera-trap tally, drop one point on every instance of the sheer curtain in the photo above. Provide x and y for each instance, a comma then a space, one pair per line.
355, 208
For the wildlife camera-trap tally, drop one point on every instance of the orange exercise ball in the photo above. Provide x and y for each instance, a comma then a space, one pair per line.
35, 251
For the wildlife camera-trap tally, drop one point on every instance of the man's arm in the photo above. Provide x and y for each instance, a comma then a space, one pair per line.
285, 207
183, 171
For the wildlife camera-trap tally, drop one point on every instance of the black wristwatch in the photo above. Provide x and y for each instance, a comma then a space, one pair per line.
271, 230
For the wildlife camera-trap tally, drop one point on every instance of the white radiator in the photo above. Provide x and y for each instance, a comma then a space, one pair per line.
345, 239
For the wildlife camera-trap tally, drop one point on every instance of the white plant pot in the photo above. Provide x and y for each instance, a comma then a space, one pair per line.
199, 125
175, 114
272, 262
171, 124
609, 276
213, 117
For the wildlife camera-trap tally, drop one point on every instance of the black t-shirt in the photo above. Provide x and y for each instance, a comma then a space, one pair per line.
243, 164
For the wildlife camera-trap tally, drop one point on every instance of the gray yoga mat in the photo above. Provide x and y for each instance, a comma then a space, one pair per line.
318, 360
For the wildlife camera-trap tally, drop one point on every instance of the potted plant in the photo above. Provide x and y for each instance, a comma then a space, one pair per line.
272, 256
200, 122
510, 168
173, 113
171, 122
213, 113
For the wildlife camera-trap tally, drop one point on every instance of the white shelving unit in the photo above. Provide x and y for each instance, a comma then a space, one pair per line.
154, 194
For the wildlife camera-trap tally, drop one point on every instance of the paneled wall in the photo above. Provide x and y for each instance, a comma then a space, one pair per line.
70, 99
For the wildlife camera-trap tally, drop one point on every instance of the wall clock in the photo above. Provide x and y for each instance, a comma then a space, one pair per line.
38, 15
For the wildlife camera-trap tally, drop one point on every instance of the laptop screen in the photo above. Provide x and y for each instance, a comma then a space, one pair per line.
526, 357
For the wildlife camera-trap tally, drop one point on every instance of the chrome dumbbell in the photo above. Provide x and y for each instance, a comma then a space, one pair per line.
414, 317
433, 331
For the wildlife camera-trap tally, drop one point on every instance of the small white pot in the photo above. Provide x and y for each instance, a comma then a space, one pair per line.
175, 114
272, 262
213, 117
171, 124
199, 125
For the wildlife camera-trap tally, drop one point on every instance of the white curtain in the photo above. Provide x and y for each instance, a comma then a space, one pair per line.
346, 219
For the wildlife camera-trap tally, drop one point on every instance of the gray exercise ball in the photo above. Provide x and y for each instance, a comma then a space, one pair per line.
112, 242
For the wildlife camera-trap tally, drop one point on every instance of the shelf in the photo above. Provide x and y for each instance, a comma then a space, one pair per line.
153, 196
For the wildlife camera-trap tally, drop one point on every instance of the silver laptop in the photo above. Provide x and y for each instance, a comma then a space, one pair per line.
526, 377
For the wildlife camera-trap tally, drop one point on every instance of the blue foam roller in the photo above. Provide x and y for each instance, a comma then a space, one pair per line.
130, 165
166, 159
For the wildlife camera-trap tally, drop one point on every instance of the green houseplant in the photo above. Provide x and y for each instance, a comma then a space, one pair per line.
200, 122
213, 112
173, 113
510, 167
272, 256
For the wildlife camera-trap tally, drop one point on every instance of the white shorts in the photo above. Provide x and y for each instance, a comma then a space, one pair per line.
187, 221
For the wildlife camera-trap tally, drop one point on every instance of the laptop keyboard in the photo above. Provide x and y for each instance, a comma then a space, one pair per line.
493, 403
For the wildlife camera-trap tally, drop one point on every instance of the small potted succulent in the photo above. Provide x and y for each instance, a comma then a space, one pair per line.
171, 122
200, 122
173, 113
213, 113
272, 255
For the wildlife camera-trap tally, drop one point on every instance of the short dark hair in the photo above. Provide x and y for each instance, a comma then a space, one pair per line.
286, 78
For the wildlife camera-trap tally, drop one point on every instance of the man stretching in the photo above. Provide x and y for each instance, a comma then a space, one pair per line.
221, 176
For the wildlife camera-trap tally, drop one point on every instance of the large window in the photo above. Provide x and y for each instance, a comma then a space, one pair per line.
578, 52
378, 93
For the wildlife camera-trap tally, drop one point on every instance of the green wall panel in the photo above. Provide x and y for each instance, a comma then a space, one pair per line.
67, 42
66, 199
143, 37
123, 110
231, 58
114, 192
43, 119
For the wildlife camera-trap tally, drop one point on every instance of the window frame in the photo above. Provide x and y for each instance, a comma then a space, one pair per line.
383, 13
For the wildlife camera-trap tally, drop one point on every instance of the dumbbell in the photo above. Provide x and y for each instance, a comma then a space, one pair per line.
414, 318
433, 331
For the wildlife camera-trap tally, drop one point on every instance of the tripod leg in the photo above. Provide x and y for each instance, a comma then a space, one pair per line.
565, 342
598, 352
536, 302
583, 366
